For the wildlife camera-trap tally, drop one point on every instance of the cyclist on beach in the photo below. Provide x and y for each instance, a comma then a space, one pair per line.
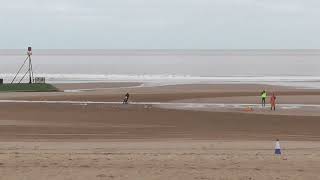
263, 98
126, 98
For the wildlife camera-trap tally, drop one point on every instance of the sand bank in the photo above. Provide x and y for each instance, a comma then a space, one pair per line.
114, 141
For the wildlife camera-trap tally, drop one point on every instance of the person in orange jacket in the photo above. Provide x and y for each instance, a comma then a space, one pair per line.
273, 102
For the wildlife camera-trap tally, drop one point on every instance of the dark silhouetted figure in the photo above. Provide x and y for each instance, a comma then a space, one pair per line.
126, 98
273, 102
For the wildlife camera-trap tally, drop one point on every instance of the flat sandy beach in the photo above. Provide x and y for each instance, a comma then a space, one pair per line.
164, 133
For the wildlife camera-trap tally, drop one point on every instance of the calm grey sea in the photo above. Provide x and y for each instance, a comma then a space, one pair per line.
287, 67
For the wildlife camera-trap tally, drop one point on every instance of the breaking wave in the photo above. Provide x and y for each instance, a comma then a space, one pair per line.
170, 79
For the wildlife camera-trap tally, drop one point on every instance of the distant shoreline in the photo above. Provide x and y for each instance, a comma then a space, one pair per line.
306, 82
132, 52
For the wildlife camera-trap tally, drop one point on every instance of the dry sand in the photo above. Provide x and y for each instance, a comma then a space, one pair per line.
181, 159
100, 141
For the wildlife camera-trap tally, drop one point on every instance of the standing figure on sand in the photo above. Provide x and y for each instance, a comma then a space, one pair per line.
277, 148
263, 98
273, 102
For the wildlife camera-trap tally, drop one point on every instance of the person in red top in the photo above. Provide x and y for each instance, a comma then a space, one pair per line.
273, 102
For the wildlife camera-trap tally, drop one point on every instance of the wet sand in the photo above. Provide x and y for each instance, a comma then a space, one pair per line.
281, 99
290, 105
113, 141
104, 122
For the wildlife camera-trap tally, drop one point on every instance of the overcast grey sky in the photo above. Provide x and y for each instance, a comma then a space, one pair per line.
160, 24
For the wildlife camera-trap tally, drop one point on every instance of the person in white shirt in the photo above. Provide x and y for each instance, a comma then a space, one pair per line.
277, 148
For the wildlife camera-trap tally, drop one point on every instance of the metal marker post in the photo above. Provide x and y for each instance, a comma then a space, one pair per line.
30, 65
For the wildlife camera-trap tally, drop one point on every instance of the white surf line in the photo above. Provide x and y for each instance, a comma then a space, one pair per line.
94, 89
190, 105
58, 102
